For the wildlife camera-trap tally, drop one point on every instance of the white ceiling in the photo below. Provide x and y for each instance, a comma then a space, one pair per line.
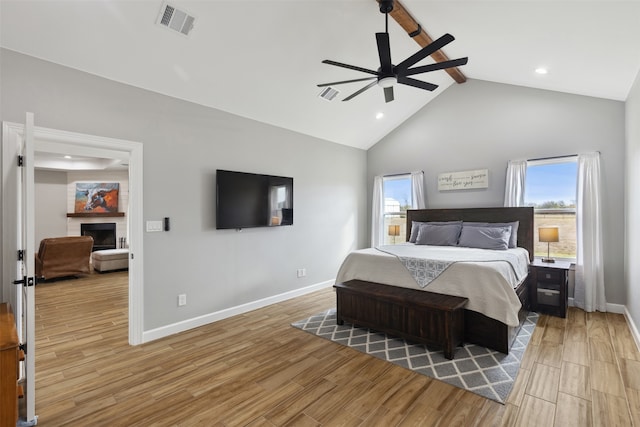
262, 59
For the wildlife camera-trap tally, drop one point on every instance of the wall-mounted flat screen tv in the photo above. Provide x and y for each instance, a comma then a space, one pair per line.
245, 200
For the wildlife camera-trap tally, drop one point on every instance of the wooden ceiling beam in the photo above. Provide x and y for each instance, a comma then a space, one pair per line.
410, 25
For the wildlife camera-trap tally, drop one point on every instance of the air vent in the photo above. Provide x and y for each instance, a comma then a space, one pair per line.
175, 19
328, 93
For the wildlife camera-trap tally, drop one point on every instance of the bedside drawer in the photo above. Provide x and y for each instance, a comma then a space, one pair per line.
548, 297
549, 275
548, 286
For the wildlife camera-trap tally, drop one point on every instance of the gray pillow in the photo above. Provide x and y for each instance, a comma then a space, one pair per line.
485, 237
438, 235
513, 236
415, 227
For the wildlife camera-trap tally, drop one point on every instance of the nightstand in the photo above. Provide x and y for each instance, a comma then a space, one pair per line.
550, 281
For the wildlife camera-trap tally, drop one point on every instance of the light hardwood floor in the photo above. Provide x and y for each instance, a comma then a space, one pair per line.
255, 369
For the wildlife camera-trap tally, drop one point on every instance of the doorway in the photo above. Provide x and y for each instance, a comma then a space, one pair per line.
55, 141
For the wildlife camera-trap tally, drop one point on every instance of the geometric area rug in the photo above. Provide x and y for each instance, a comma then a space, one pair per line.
486, 372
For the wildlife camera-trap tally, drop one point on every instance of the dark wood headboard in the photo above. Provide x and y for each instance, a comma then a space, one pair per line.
524, 215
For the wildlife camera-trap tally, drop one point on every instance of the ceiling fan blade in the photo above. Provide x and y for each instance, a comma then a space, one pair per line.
350, 67
433, 67
416, 83
384, 52
353, 95
426, 51
346, 81
388, 94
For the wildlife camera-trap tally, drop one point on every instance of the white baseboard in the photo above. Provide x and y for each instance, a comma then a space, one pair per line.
611, 308
165, 331
616, 308
634, 328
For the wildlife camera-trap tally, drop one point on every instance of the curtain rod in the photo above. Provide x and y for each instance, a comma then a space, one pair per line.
556, 157
398, 174
552, 158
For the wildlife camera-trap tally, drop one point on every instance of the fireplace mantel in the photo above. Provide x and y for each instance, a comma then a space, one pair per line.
94, 214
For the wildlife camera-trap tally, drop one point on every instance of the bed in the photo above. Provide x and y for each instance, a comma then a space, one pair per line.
494, 327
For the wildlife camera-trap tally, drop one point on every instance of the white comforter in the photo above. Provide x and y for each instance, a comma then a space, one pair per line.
489, 285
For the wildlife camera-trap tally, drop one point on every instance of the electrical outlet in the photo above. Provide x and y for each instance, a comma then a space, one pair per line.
182, 300
302, 272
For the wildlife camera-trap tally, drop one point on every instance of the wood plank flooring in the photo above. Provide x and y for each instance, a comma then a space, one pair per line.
257, 370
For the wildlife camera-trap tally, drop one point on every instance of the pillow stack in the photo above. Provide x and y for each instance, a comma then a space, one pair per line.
482, 235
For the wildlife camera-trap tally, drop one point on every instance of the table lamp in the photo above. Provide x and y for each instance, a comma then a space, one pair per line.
394, 230
548, 235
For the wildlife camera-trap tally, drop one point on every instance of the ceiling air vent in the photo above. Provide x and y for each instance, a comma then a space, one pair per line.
175, 19
328, 93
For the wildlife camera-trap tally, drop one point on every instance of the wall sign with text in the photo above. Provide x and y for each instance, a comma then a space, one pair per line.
463, 180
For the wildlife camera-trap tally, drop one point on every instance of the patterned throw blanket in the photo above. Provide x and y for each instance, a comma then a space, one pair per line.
424, 271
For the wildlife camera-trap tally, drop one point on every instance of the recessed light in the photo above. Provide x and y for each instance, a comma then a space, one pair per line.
379, 116
541, 70
67, 157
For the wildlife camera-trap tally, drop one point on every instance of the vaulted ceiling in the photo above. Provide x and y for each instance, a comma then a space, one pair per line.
262, 59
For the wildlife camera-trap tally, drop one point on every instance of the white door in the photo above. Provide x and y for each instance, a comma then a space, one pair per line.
18, 228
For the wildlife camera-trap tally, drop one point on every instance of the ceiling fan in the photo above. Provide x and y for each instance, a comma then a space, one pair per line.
388, 74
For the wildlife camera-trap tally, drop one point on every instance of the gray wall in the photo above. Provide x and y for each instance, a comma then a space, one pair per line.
483, 125
184, 144
632, 235
51, 204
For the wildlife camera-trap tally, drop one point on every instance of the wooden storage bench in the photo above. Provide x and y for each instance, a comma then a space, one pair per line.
429, 318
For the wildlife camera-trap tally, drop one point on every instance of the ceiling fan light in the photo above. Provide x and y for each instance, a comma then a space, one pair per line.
387, 81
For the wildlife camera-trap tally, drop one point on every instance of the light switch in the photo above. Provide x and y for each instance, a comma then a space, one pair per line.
153, 226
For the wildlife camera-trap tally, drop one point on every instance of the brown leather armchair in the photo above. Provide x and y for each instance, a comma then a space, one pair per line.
64, 256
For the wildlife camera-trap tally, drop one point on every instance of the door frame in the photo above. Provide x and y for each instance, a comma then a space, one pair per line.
54, 140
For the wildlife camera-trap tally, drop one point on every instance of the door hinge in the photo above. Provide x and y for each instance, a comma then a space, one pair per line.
21, 255
20, 161
23, 347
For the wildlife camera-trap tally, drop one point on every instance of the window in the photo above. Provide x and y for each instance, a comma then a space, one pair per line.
396, 191
550, 187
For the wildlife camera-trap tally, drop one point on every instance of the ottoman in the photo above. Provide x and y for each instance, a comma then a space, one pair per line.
110, 259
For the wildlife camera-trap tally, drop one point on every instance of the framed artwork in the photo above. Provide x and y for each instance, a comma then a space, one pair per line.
466, 180
93, 197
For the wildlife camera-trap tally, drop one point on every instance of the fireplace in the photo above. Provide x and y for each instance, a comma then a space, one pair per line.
104, 234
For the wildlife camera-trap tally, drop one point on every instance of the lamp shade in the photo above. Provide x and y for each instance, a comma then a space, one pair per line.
548, 234
394, 230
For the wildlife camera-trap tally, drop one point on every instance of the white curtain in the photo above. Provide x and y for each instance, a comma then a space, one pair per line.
377, 213
589, 289
417, 190
514, 186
